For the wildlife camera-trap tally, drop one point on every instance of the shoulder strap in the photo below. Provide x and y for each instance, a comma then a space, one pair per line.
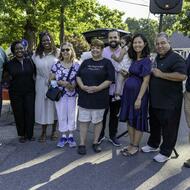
70, 70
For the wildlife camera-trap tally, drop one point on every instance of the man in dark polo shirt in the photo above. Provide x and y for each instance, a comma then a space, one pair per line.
166, 95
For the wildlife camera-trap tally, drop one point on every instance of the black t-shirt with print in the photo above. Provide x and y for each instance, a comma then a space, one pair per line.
166, 94
93, 73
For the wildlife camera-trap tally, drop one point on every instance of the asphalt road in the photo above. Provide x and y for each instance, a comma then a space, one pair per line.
33, 165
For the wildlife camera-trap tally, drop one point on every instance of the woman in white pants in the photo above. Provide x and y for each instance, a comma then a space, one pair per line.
64, 75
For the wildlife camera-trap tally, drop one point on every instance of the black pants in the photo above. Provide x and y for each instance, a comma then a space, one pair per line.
23, 110
113, 119
164, 122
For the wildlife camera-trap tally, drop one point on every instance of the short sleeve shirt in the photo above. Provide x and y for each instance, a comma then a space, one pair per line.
166, 94
94, 73
61, 73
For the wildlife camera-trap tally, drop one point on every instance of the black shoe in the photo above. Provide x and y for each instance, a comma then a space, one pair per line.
22, 139
96, 148
114, 141
32, 139
82, 149
101, 139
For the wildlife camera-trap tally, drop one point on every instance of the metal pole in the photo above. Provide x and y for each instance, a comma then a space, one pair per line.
160, 23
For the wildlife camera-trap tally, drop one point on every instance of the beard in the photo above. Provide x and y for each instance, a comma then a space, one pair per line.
114, 44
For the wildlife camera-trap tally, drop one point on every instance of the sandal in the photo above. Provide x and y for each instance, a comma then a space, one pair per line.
125, 152
126, 148
54, 136
42, 138
131, 152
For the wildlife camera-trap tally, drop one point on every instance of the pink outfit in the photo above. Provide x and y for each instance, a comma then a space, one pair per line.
107, 53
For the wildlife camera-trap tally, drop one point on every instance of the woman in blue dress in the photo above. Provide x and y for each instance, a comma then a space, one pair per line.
134, 103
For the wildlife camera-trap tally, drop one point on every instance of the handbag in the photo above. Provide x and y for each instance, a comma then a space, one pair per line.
54, 93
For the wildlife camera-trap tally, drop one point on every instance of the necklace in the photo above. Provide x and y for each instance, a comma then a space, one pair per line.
66, 64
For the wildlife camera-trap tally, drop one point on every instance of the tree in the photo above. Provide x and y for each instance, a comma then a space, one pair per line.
168, 24
182, 21
179, 22
147, 27
26, 18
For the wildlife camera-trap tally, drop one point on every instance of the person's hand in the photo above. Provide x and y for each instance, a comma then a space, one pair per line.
124, 72
63, 83
85, 88
70, 87
94, 89
137, 103
113, 56
157, 72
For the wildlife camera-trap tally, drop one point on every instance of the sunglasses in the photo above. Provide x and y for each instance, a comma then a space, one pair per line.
67, 50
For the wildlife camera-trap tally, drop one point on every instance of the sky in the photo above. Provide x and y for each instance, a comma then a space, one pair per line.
131, 10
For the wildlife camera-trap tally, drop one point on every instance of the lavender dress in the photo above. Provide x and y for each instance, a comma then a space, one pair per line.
135, 118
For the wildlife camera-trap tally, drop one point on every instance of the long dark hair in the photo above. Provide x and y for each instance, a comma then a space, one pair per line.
40, 48
145, 52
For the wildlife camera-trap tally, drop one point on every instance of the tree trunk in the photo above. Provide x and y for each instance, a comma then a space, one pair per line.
61, 36
30, 36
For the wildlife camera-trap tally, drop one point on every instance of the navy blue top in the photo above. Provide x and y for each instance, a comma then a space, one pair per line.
93, 73
167, 94
21, 76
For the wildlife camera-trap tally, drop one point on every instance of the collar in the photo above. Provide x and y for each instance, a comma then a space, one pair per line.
50, 53
163, 57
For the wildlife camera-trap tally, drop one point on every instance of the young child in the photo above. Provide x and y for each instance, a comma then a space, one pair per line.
124, 63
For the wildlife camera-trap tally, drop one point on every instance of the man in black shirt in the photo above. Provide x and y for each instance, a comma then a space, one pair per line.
165, 99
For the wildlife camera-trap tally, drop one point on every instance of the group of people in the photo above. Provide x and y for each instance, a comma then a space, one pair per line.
120, 79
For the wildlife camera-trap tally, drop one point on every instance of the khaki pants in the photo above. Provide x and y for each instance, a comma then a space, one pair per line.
187, 107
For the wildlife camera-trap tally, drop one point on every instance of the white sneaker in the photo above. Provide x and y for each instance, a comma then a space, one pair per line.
161, 158
148, 148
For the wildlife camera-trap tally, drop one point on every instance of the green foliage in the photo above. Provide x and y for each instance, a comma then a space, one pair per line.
79, 43
182, 21
26, 18
168, 24
147, 27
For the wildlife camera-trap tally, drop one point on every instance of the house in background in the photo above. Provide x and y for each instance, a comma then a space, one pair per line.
180, 44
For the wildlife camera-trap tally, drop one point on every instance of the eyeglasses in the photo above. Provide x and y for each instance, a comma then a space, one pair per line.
67, 50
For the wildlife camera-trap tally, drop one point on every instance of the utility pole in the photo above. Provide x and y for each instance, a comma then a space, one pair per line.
160, 23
